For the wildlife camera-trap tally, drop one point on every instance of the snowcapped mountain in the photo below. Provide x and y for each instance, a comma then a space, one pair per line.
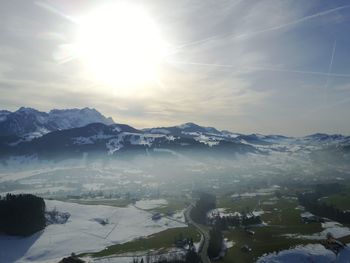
183, 129
120, 139
330, 139
75, 132
31, 123
73, 118
3, 115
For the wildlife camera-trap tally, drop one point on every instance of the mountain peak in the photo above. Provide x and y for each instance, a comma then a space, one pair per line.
187, 125
27, 120
26, 110
193, 127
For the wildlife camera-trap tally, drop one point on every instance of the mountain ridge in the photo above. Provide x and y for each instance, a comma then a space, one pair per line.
32, 123
64, 133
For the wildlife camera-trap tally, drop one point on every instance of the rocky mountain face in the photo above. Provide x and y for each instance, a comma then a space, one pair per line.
30, 122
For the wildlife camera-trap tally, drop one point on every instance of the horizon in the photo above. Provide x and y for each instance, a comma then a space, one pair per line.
179, 124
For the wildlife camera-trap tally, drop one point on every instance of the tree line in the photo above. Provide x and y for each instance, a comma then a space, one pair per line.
22, 214
245, 219
189, 257
311, 202
205, 203
216, 241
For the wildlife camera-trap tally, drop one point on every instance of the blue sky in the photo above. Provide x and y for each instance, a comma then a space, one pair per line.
245, 66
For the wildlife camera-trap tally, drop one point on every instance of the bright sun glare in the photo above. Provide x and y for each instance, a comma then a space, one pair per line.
121, 45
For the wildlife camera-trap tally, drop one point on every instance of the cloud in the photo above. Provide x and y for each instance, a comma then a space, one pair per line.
248, 66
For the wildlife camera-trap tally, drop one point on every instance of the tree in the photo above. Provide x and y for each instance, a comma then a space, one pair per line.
22, 214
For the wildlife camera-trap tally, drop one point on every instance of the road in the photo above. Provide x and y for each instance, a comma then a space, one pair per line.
204, 243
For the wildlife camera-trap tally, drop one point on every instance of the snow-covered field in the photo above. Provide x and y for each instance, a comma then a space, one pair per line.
260, 192
306, 254
82, 232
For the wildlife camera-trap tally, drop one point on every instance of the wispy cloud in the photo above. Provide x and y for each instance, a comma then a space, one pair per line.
248, 66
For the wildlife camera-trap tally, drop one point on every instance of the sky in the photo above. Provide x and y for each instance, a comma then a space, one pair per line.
249, 66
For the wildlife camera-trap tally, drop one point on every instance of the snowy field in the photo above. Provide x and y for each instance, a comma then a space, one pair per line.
82, 232
307, 254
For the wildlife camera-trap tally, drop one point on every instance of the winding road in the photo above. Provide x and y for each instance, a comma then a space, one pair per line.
204, 242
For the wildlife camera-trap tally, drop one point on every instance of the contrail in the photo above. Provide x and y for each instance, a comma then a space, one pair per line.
300, 20
202, 64
329, 70
254, 33
54, 10
328, 74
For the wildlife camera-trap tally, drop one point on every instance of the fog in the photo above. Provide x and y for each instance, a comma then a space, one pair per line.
174, 174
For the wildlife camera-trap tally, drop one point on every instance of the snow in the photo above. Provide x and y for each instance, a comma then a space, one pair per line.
222, 212
306, 254
184, 126
82, 140
3, 115
258, 212
31, 123
90, 139
299, 207
159, 130
306, 214
114, 145
40, 190
117, 128
210, 141
142, 140
259, 192
337, 231
81, 233
228, 244
93, 186
148, 204
335, 228
65, 119
179, 216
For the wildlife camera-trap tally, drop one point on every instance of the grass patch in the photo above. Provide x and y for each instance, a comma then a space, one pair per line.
172, 206
340, 201
108, 202
164, 239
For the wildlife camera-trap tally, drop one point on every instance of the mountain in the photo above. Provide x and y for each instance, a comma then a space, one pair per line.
188, 128
323, 138
30, 123
120, 139
77, 132
3, 114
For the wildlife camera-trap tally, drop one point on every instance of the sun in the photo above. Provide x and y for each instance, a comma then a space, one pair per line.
120, 45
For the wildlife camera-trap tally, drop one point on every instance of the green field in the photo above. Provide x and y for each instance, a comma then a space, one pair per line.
158, 241
340, 200
281, 218
109, 202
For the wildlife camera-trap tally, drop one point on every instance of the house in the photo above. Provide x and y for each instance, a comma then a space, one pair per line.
250, 232
246, 248
307, 218
156, 216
